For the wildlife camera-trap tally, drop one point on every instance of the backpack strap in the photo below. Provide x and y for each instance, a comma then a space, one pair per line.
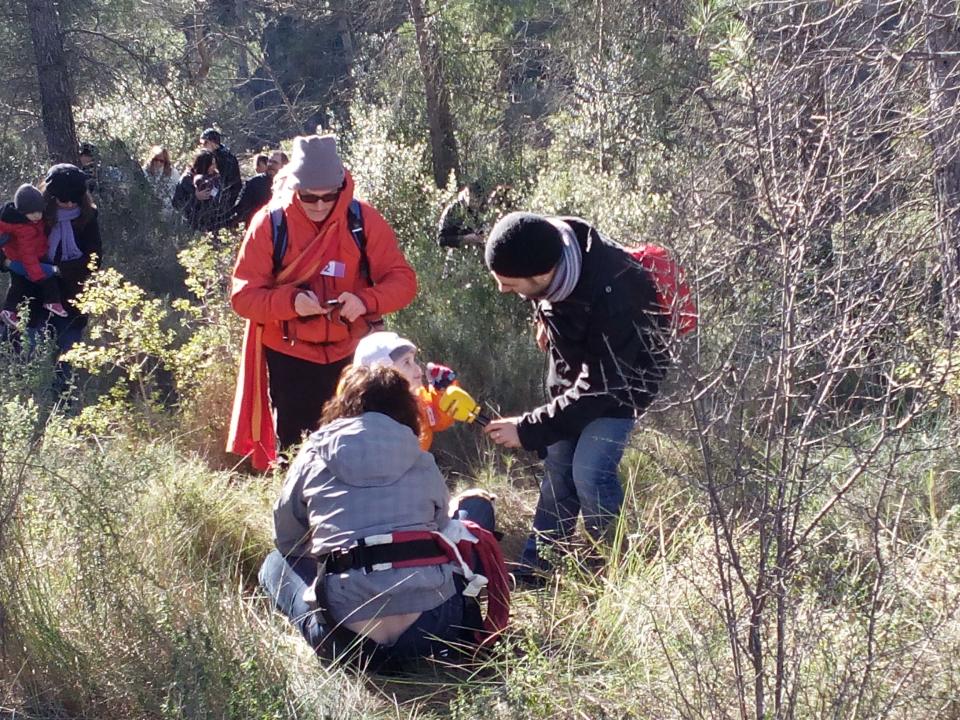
355, 221
278, 223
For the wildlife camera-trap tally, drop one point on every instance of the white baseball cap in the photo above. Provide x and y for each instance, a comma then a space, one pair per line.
381, 348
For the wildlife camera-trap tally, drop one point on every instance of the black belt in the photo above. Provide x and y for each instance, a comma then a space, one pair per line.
363, 557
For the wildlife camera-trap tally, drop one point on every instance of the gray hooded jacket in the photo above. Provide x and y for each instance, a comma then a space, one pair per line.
357, 477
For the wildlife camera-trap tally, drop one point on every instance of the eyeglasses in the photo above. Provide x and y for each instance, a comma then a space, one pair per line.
310, 198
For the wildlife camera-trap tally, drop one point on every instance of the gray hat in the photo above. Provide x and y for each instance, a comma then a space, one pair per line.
28, 200
315, 164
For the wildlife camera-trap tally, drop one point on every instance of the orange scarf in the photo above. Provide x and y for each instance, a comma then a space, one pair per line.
252, 430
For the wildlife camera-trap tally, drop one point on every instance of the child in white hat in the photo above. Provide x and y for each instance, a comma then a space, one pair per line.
388, 348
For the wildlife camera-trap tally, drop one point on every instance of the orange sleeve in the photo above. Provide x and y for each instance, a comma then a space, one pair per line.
395, 282
254, 294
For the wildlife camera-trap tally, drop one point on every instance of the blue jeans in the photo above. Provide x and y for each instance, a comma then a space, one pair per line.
580, 476
433, 633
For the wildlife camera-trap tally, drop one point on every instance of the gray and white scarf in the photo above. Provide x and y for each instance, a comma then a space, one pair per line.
568, 269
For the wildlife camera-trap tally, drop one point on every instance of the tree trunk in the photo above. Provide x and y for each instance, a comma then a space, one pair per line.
56, 106
943, 77
443, 143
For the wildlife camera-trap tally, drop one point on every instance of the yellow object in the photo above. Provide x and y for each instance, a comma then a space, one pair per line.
458, 403
432, 417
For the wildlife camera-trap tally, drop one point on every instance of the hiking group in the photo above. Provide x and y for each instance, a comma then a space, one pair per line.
373, 560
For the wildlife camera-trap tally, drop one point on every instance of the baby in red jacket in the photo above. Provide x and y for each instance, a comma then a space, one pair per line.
25, 247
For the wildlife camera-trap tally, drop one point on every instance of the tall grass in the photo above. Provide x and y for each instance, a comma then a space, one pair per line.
129, 591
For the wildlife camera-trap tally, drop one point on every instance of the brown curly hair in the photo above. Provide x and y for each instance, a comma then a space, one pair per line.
378, 389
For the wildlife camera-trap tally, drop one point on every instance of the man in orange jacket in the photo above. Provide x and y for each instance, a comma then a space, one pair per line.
308, 305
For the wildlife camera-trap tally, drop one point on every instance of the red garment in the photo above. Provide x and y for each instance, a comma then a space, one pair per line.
28, 243
491, 563
485, 556
312, 260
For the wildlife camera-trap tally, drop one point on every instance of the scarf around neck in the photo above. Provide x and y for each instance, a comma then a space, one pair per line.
62, 241
568, 269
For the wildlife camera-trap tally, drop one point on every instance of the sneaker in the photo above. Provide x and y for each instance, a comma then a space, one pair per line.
9, 318
55, 308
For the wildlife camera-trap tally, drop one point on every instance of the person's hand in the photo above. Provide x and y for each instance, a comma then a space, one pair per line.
504, 432
203, 194
351, 307
541, 335
307, 304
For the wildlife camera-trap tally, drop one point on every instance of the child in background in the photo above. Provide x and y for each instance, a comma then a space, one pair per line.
388, 348
22, 223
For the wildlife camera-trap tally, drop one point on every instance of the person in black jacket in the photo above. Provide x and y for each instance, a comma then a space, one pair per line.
229, 168
597, 317
199, 196
257, 190
73, 233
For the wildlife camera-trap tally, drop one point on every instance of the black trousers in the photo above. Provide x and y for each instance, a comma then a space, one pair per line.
298, 391
20, 288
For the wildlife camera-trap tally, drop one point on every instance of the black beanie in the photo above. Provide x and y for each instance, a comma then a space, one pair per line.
522, 245
28, 200
66, 183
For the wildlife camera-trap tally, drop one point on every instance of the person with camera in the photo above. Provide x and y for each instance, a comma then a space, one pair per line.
315, 273
199, 196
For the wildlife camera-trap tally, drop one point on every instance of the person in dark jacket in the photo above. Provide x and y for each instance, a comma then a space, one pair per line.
257, 190
199, 195
210, 139
73, 236
596, 312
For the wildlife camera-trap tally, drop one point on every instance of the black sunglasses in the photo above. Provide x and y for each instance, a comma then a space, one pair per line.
310, 198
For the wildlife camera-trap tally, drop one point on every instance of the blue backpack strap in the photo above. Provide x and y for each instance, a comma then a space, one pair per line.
278, 223
355, 221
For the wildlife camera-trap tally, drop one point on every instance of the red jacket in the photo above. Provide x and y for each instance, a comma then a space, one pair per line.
28, 243
266, 299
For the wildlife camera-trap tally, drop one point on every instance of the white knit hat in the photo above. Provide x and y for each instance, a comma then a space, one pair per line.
381, 348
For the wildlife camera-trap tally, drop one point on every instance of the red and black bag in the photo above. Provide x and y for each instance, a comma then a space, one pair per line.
673, 293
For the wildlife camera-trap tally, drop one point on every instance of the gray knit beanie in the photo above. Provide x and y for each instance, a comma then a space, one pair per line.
28, 199
315, 164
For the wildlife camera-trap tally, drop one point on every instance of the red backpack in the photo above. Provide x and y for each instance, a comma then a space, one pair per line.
673, 292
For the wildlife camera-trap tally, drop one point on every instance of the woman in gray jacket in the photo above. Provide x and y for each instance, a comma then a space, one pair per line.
362, 475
